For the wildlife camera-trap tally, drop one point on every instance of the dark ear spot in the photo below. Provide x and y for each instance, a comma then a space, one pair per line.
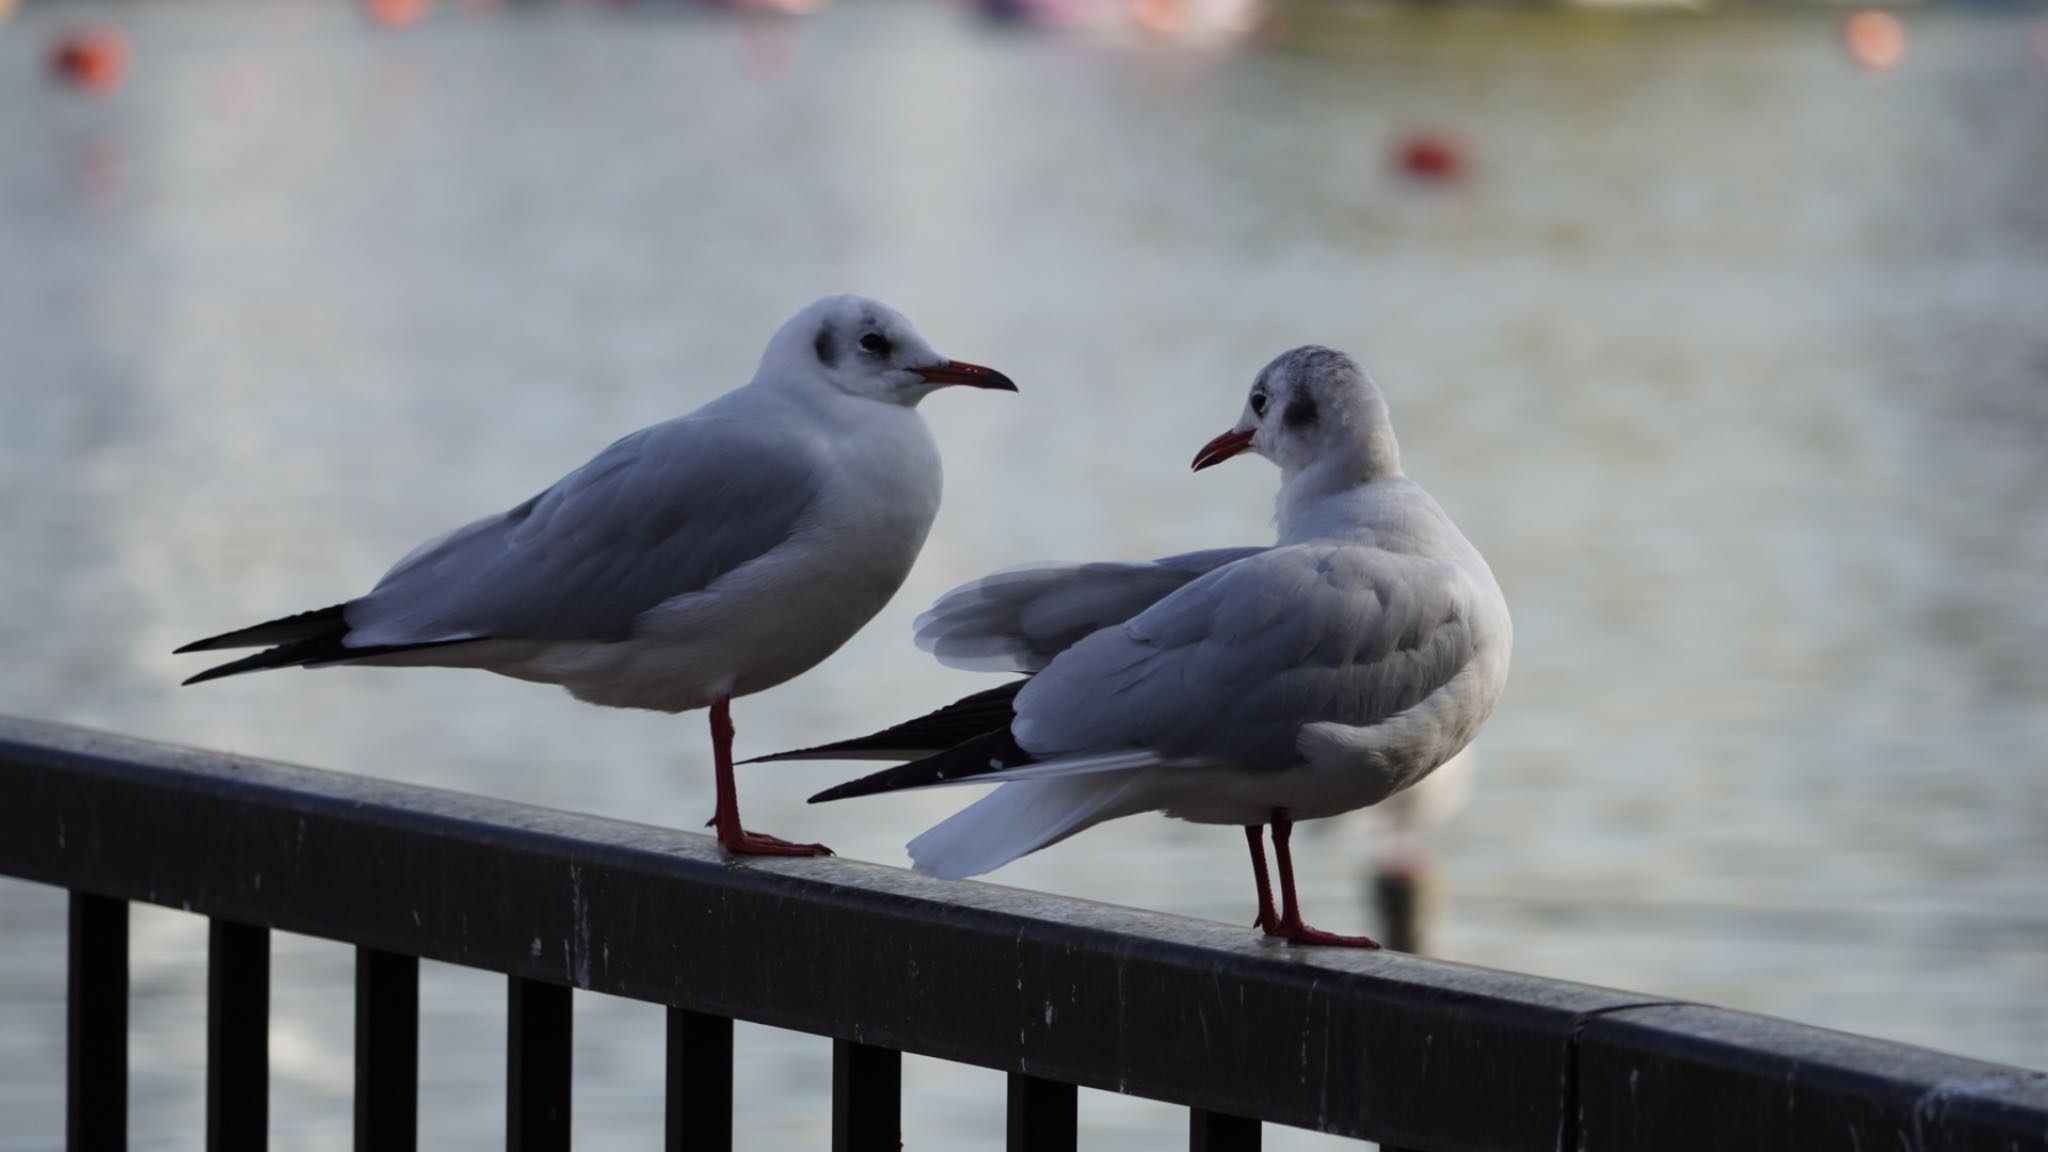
823, 346
1301, 412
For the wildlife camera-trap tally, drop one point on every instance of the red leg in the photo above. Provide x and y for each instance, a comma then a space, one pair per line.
726, 819
1290, 915
1255, 836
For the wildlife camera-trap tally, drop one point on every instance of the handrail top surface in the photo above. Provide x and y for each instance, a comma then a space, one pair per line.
1188, 1011
584, 836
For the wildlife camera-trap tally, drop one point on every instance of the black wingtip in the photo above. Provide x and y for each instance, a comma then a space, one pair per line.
844, 791
316, 652
332, 619
818, 752
991, 752
967, 718
261, 660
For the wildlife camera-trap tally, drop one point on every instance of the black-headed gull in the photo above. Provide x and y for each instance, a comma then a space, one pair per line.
707, 557
1242, 686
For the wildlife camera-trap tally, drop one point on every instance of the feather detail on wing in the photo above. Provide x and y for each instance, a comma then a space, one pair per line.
661, 513
1018, 619
1230, 668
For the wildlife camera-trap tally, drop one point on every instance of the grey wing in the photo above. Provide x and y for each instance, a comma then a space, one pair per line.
1018, 619
1230, 668
662, 512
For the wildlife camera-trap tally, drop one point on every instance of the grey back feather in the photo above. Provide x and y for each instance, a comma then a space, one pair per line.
1230, 668
1018, 619
660, 513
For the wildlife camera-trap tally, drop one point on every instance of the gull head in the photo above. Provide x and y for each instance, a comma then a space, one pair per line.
1312, 408
865, 348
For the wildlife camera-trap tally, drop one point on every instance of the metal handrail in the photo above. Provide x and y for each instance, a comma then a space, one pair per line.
1410, 1051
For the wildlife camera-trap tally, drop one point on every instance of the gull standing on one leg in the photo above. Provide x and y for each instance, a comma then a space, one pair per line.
710, 556
1252, 686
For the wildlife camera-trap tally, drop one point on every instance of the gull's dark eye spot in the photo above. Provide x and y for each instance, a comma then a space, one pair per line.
1258, 403
1301, 412
875, 342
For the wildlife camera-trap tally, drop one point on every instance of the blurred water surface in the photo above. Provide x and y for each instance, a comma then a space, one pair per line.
1729, 355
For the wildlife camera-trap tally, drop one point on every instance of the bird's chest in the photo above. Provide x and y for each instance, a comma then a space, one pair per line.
783, 613
869, 526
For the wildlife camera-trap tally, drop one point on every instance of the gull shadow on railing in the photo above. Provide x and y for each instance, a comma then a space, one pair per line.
1061, 994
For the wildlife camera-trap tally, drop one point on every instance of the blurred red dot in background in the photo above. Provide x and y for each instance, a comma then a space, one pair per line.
1433, 156
396, 13
95, 59
1875, 39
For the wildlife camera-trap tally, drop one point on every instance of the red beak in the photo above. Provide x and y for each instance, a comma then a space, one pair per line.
1223, 448
972, 375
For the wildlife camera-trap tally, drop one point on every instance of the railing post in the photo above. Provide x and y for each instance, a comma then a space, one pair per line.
1217, 1132
237, 1036
1043, 1115
387, 1051
537, 1050
867, 1098
96, 1026
699, 1110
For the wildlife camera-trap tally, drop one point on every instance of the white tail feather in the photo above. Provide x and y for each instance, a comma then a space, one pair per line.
1021, 817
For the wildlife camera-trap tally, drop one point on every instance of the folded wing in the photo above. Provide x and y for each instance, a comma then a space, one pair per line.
1229, 669
1018, 619
659, 514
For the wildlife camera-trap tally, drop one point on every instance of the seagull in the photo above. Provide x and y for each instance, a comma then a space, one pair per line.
1249, 686
710, 556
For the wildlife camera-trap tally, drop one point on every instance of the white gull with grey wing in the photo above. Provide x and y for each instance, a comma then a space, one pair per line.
710, 556
1321, 675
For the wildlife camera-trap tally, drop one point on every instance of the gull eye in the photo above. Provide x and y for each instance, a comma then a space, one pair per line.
1258, 403
875, 342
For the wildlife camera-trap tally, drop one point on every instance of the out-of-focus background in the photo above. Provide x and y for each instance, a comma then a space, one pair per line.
1723, 333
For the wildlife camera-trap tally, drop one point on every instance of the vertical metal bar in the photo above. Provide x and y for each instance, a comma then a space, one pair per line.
387, 1051
1216, 1132
96, 1048
1043, 1115
537, 1067
237, 1036
699, 1082
867, 1098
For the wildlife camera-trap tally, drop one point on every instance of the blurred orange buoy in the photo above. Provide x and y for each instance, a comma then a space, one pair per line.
1875, 39
95, 59
1431, 156
396, 13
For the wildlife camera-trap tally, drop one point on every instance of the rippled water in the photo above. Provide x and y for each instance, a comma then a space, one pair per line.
1728, 355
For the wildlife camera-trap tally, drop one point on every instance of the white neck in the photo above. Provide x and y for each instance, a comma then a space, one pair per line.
1350, 463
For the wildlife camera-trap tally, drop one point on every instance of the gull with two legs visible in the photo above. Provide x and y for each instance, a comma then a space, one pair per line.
1253, 686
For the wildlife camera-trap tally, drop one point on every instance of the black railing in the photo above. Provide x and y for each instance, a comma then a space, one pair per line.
1416, 1053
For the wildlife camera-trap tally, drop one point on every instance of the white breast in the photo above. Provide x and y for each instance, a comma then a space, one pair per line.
780, 615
